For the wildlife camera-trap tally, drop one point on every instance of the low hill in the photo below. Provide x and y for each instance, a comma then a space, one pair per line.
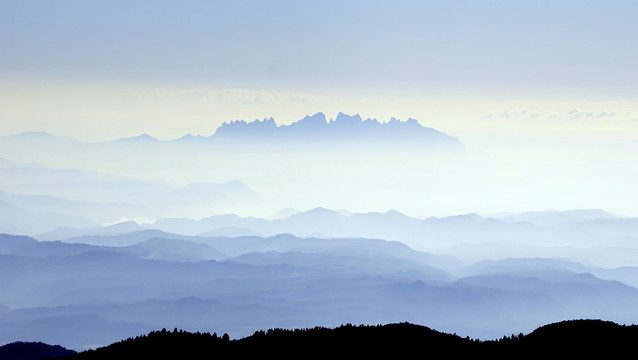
32, 351
567, 339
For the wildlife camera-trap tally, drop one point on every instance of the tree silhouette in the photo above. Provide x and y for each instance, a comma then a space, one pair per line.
583, 338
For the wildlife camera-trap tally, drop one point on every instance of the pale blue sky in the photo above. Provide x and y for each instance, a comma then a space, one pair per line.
100, 70
570, 49
546, 89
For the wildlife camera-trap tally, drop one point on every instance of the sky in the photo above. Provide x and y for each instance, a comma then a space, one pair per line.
71, 67
581, 47
539, 82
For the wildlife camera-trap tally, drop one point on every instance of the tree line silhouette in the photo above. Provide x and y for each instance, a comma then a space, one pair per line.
32, 351
567, 339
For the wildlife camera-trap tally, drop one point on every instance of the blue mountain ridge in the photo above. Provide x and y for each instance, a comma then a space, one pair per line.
311, 129
343, 127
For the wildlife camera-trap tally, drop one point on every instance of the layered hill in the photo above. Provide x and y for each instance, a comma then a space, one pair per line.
97, 289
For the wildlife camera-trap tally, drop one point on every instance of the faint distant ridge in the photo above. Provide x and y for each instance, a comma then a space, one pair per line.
343, 128
316, 129
139, 138
35, 134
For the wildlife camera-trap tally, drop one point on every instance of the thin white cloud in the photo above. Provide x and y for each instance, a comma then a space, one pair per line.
570, 115
226, 96
101, 113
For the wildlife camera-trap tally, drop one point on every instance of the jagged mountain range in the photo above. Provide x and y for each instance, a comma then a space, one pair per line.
311, 128
343, 128
279, 162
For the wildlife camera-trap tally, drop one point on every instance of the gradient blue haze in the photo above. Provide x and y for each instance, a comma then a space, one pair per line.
529, 47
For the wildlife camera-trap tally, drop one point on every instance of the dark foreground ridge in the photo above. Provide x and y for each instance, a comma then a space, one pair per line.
32, 351
567, 339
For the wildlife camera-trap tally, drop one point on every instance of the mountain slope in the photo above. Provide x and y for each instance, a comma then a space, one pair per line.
344, 128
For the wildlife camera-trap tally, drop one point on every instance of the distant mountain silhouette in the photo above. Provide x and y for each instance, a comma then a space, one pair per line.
343, 128
312, 128
32, 351
140, 138
41, 135
469, 237
13, 243
35, 134
554, 218
567, 339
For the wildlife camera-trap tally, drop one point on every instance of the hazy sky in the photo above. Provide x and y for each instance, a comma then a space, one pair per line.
532, 48
544, 85
77, 67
